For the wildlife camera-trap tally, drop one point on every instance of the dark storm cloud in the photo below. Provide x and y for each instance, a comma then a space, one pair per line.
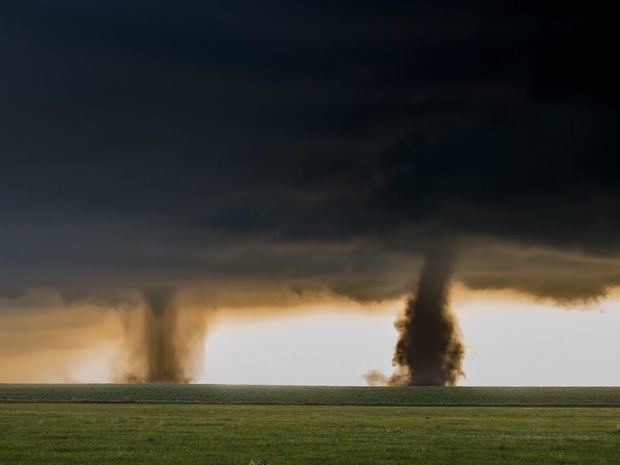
317, 146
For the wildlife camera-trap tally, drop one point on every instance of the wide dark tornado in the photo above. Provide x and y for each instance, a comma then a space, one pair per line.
429, 351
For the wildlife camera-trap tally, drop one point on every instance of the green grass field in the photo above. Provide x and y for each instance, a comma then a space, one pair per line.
217, 429
313, 395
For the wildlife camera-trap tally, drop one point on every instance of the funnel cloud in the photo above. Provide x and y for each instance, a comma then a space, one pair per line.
160, 345
166, 340
429, 351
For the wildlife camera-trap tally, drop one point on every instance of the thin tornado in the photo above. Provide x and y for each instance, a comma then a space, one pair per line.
163, 363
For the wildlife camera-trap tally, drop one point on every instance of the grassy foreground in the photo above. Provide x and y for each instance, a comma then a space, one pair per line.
313, 395
66, 434
282, 425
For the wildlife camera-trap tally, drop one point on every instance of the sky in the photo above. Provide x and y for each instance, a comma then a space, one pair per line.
509, 342
162, 164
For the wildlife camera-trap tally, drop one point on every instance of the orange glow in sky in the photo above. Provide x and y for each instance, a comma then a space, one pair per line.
510, 340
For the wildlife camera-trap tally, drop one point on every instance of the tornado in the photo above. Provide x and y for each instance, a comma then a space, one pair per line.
163, 344
429, 351
163, 362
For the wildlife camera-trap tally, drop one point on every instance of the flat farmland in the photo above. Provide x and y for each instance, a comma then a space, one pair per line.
305, 425
314, 395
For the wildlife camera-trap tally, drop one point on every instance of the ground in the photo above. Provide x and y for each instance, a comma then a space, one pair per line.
227, 426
